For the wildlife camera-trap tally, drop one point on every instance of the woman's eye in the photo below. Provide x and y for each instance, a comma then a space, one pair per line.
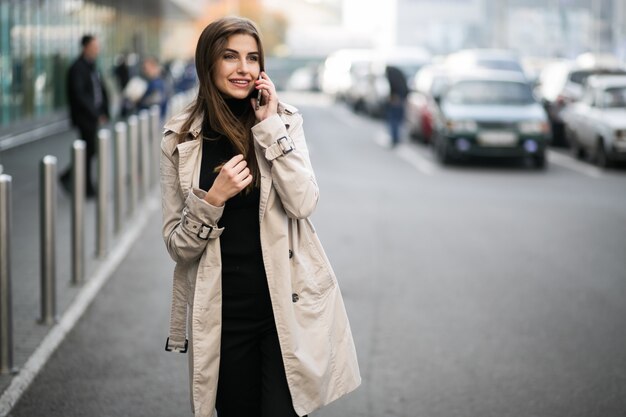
253, 58
229, 56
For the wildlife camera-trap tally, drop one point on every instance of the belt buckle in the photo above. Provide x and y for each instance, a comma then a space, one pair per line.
169, 349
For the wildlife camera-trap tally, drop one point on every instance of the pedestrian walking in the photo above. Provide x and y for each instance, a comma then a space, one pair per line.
156, 91
121, 71
89, 105
398, 92
268, 331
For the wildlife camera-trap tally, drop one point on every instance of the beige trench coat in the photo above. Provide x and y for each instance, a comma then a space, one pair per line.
311, 322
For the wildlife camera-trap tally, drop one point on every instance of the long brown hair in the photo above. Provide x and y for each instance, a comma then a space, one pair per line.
210, 102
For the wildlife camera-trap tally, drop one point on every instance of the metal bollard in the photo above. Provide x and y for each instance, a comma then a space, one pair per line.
48, 203
102, 215
155, 140
133, 138
79, 178
171, 108
6, 303
144, 123
120, 163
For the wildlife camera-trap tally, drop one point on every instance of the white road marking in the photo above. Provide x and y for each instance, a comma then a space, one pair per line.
380, 136
570, 163
412, 156
382, 139
427, 167
56, 335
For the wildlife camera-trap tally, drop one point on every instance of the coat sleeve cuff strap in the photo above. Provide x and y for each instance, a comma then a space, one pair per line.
281, 147
203, 231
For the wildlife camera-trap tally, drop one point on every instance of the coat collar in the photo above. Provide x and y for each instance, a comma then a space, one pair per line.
175, 124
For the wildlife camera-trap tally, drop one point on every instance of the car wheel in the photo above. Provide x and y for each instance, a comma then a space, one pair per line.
443, 155
359, 107
577, 151
414, 134
601, 158
539, 160
558, 134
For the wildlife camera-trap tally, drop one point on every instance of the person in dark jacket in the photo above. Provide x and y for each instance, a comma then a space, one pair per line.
88, 104
398, 92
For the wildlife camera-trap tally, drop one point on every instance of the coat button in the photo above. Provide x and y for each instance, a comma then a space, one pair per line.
290, 254
295, 297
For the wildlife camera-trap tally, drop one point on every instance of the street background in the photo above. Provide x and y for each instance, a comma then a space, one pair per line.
477, 290
475, 286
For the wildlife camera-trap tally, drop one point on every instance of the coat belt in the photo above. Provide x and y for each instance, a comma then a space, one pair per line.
177, 340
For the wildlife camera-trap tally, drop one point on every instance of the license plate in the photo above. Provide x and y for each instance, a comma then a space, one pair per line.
497, 138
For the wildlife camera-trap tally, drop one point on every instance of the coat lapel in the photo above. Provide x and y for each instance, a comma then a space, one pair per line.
188, 153
266, 183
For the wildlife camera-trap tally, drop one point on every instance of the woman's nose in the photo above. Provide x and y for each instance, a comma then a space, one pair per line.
243, 67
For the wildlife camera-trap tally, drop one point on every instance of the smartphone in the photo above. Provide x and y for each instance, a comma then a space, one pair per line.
258, 96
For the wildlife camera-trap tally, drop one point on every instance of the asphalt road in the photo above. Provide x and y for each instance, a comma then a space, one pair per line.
480, 290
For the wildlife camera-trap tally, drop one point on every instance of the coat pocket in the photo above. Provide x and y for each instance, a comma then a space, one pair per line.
310, 269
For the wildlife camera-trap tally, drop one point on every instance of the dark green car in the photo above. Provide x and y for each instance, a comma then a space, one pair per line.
491, 114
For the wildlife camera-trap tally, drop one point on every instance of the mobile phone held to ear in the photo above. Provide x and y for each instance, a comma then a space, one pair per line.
258, 96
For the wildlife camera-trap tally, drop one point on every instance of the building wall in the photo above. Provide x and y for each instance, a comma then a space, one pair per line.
440, 25
39, 39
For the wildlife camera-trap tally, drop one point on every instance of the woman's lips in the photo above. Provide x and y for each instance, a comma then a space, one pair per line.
240, 83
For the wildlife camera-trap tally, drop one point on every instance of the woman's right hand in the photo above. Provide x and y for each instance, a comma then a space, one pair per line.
233, 177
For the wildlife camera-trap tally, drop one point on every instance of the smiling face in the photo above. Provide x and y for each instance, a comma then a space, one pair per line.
238, 67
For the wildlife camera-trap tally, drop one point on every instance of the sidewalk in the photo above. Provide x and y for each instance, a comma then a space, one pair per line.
22, 163
105, 370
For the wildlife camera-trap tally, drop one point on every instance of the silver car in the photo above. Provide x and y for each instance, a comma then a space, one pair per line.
562, 83
596, 125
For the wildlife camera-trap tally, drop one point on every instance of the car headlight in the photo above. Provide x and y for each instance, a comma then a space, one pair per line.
464, 126
533, 127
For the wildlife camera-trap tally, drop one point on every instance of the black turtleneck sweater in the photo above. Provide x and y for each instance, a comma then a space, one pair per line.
244, 283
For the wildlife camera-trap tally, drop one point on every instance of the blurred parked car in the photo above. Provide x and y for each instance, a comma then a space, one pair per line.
491, 114
335, 77
357, 90
596, 125
375, 88
423, 101
281, 68
304, 79
562, 83
490, 59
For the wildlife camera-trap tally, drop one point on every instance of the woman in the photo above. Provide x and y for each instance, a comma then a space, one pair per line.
268, 333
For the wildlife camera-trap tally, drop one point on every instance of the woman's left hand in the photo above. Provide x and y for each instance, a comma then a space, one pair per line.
269, 100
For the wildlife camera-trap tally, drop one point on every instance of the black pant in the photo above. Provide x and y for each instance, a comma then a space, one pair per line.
252, 379
89, 134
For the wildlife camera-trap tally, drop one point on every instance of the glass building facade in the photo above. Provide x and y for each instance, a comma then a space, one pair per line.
39, 39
